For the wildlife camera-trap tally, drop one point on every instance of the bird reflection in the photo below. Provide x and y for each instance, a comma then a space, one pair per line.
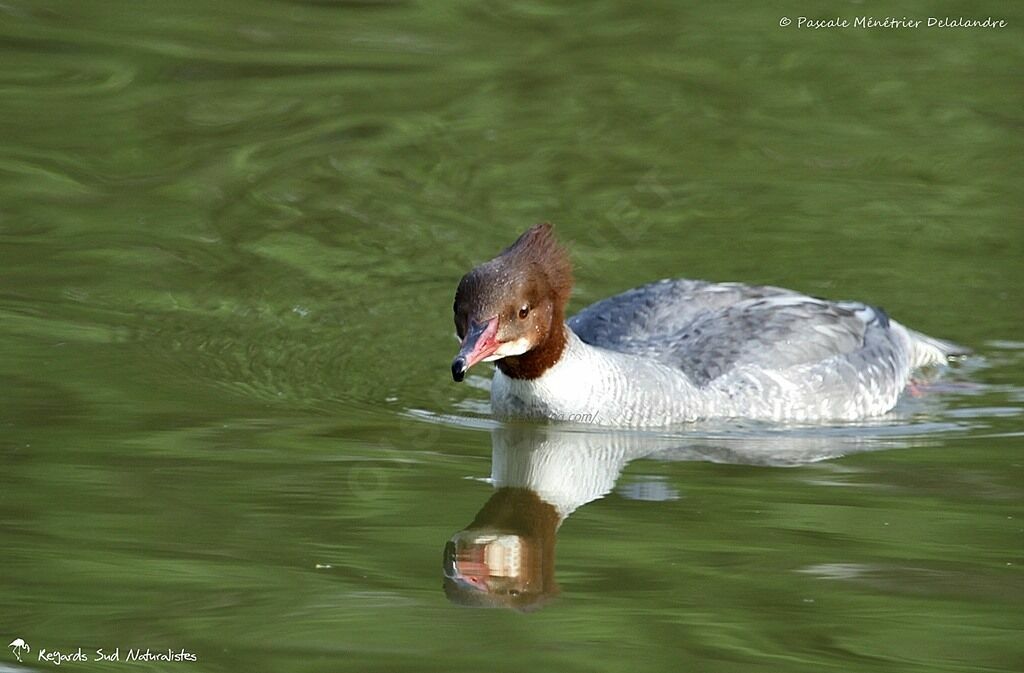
541, 474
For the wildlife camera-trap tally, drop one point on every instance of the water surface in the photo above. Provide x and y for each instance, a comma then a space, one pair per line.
229, 238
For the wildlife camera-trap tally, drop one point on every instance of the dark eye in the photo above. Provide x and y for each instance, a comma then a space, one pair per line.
523, 312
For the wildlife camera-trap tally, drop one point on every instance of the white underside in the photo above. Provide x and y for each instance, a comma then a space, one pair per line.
609, 388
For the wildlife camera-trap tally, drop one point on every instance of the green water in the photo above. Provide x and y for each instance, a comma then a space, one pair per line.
229, 237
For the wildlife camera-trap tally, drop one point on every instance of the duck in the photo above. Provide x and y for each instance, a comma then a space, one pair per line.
676, 351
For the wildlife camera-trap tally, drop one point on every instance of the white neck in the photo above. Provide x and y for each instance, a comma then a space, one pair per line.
600, 387
563, 467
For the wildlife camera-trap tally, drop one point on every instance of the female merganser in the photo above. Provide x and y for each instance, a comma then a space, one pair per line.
676, 350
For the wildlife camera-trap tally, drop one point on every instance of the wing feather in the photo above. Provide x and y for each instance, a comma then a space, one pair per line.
707, 329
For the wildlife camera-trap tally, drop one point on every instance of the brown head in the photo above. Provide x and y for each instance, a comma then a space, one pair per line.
512, 308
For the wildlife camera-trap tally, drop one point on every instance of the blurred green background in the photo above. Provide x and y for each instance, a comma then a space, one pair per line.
229, 237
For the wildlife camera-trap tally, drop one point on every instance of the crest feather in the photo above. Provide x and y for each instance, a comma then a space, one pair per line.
538, 245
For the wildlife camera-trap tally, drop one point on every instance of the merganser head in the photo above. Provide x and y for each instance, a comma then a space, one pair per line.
511, 308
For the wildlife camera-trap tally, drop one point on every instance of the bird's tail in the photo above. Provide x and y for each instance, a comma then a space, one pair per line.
931, 351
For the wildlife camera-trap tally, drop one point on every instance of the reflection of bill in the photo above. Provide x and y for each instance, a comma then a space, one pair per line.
542, 474
493, 556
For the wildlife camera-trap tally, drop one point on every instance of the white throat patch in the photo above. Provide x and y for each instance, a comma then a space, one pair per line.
517, 347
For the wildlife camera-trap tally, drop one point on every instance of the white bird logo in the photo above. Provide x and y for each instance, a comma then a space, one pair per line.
17, 645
